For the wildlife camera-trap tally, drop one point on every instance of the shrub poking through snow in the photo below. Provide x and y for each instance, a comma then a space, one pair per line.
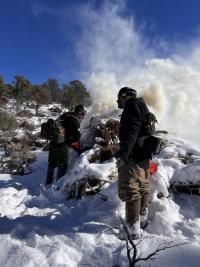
7, 122
55, 109
186, 188
19, 158
133, 247
26, 125
186, 159
25, 113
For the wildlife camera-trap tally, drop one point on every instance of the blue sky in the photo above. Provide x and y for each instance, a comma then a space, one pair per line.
39, 39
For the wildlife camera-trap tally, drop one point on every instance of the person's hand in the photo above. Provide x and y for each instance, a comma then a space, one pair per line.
123, 158
76, 146
120, 163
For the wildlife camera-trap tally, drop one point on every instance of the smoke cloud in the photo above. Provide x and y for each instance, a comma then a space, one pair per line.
113, 53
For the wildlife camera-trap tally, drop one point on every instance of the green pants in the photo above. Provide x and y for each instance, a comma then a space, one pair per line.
58, 157
58, 154
133, 181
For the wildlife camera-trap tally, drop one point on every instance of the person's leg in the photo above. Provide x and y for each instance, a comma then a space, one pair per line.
144, 202
52, 163
129, 192
128, 186
61, 171
144, 190
50, 172
133, 211
62, 160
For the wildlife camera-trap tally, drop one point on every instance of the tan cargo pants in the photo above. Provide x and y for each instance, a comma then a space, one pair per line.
133, 181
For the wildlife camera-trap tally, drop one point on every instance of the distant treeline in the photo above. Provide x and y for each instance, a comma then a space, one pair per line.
23, 91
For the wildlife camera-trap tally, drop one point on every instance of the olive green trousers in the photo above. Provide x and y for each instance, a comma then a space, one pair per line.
58, 157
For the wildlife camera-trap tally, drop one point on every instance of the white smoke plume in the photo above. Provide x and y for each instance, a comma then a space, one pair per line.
115, 54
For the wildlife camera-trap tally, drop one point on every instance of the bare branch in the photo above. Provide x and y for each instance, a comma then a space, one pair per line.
134, 258
161, 247
129, 240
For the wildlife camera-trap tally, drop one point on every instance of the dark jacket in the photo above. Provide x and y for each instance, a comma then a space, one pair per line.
71, 124
131, 129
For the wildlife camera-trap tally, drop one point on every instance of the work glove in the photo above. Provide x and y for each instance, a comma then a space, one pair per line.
120, 163
123, 158
76, 146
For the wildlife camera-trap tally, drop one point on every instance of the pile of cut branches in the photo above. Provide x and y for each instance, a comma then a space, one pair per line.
107, 132
88, 185
186, 188
104, 153
186, 159
106, 137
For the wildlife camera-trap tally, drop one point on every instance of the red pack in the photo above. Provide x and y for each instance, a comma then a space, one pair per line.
153, 167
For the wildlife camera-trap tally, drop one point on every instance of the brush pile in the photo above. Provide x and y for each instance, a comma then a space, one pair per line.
105, 135
88, 185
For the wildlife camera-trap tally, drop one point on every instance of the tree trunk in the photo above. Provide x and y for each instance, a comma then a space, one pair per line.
36, 108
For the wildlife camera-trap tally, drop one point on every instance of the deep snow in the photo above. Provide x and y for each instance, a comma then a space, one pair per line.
42, 228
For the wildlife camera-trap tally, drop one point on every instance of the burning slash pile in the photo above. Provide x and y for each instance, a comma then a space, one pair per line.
106, 137
105, 141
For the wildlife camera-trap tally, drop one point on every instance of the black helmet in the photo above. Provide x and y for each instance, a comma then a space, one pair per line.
80, 109
127, 91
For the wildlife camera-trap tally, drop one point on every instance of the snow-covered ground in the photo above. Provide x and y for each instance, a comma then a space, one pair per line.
42, 228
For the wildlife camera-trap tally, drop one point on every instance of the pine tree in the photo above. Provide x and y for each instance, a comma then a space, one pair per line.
55, 90
21, 90
40, 95
2, 86
75, 93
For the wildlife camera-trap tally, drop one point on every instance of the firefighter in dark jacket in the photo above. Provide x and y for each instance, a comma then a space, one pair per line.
133, 163
58, 153
71, 122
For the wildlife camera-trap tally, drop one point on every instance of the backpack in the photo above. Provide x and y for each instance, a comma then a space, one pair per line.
149, 142
150, 123
71, 125
149, 119
52, 130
